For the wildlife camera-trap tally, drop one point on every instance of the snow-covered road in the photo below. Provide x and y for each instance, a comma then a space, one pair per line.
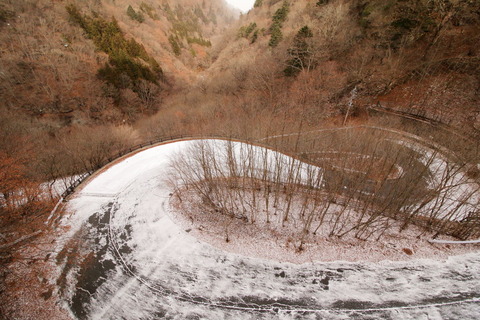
142, 265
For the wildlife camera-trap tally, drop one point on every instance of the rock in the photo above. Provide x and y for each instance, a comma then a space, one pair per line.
476, 123
47, 294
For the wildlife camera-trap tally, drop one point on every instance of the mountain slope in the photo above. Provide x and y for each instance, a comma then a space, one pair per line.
418, 56
192, 67
49, 66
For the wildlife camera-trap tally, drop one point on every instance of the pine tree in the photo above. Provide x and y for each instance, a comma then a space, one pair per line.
277, 22
138, 16
300, 52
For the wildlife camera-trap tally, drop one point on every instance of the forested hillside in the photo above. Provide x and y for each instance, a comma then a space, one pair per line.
77, 74
58, 54
75, 77
420, 56
81, 81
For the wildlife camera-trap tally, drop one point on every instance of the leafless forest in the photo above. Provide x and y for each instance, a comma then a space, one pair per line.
361, 181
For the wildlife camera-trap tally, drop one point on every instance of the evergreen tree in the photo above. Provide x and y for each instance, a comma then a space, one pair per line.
300, 53
277, 22
276, 35
124, 68
175, 46
138, 16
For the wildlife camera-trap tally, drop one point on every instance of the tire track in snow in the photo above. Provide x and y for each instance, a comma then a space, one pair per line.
258, 308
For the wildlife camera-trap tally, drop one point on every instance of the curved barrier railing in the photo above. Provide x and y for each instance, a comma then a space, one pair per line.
422, 118
71, 189
454, 241
377, 107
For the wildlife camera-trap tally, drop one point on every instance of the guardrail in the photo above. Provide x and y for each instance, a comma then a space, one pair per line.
377, 107
83, 177
71, 189
422, 118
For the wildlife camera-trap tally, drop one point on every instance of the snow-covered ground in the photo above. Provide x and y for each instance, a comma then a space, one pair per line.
458, 195
144, 265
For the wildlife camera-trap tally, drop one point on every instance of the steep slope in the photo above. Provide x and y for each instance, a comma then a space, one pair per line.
417, 56
49, 66
76, 74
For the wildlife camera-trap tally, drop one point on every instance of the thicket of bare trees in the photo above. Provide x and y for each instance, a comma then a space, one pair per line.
361, 186
35, 169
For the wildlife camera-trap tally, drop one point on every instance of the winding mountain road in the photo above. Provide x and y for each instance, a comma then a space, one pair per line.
142, 265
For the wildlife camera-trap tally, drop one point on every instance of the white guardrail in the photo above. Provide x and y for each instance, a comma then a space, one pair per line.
84, 176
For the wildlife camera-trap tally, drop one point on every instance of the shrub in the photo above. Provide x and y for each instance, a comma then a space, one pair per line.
405, 24
138, 16
174, 43
300, 52
277, 22
75, 16
5, 15
125, 67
